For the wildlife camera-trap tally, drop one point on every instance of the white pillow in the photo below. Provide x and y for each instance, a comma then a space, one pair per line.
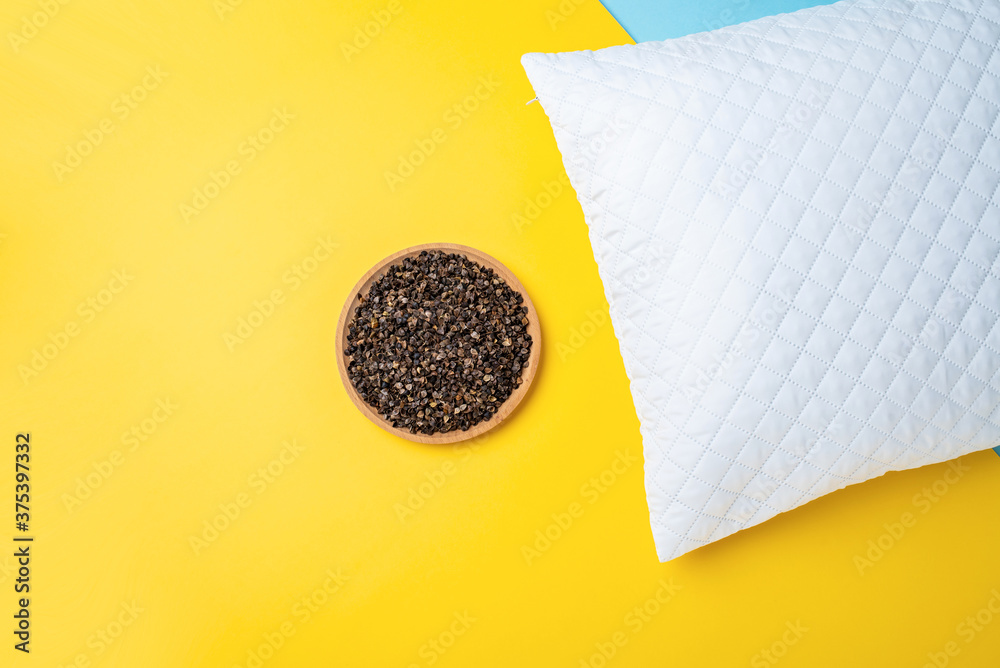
796, 222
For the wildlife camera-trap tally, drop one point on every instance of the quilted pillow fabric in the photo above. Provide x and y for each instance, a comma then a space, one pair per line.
796, 222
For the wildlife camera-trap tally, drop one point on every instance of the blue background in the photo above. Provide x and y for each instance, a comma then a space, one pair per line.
647, 20
651, 20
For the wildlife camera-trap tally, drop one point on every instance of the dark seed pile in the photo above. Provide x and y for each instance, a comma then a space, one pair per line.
438, 343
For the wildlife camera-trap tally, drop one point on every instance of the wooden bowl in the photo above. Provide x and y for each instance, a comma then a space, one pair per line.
506, 408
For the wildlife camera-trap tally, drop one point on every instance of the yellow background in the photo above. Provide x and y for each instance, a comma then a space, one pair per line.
336, 505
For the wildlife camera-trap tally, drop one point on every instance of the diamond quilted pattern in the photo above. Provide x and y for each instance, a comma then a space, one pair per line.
797, 225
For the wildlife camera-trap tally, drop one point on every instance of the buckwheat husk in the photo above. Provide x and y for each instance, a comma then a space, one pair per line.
438, 343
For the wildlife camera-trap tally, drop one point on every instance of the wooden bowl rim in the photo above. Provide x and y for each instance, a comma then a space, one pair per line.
527, 374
